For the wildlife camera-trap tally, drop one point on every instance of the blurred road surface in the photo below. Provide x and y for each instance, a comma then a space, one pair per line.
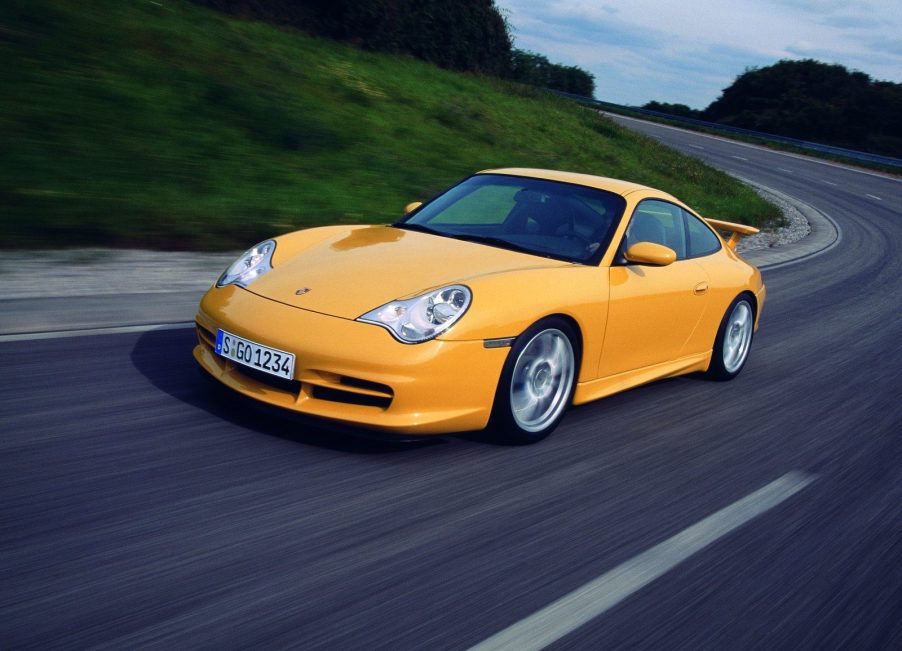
141, 509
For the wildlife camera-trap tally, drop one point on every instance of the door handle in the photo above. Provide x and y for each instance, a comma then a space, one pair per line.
701, 289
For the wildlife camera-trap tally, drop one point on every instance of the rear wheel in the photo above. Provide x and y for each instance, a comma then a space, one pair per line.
733, 341
537, 382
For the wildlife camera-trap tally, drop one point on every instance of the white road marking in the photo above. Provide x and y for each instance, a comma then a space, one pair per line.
829, 182
87, 332
594, 598
783, 169
697, 147
739, 158
874, 197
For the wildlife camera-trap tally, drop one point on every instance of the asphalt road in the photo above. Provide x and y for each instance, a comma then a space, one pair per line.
142, 509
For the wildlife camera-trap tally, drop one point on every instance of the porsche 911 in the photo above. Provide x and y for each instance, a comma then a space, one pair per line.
496, 305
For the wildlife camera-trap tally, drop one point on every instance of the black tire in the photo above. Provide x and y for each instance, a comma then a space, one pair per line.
542, 365
733, 341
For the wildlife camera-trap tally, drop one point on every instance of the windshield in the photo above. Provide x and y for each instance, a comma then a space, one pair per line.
546, 218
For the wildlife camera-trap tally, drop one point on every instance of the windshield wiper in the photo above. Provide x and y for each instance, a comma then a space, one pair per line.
419, 228
484, 239
496, 241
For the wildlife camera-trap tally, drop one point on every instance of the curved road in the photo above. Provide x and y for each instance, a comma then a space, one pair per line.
139, 509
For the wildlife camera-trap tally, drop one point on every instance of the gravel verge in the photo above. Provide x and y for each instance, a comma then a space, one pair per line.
795, 228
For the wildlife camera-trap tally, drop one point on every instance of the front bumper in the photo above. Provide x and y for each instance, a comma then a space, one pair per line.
351, 372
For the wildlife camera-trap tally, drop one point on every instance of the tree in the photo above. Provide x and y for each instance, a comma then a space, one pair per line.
537, 70
815, 101
463, 35
673, 109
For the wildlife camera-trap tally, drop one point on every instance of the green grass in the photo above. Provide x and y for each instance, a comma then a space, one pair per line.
165, 125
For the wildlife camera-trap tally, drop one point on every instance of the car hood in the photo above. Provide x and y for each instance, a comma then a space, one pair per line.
354, 270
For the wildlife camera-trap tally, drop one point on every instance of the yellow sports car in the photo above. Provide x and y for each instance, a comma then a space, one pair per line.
499, 303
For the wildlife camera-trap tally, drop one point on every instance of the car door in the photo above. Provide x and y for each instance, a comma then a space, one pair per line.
653, 311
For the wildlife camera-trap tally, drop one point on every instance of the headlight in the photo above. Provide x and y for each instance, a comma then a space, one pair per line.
422, 318
252, 264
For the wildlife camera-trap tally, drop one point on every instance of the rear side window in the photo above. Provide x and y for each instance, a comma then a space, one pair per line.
700, 238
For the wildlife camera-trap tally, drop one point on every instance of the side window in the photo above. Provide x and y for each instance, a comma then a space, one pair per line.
701, 240
658, 222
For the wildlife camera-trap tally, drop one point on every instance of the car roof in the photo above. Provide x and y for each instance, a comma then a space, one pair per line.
600, 182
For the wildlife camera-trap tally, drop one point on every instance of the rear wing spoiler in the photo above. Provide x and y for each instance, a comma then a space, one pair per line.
737, 231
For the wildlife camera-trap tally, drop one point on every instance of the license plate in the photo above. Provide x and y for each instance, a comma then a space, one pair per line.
263, 358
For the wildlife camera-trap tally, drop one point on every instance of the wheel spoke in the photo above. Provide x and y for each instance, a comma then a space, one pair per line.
543, 403
557, 357
737, 336
527, 407
542, 378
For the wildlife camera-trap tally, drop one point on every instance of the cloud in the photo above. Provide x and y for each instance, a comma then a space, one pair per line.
571, 29
845, 21
687, 52
891, 47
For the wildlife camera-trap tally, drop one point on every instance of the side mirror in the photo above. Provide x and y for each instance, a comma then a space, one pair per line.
650, 253
409, 208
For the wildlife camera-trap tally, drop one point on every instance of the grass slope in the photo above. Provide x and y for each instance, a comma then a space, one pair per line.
162, 124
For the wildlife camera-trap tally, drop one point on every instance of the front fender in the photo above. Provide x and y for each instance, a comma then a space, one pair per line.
505, 305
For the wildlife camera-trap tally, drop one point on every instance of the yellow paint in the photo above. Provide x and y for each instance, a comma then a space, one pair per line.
737, 231
650, 253
637, 322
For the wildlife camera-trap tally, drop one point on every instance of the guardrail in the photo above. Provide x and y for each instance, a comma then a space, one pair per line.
714, 126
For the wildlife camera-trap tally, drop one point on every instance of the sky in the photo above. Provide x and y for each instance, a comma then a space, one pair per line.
688, 51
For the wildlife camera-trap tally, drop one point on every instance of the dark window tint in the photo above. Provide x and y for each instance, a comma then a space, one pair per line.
701, 240
658, 222
547, 218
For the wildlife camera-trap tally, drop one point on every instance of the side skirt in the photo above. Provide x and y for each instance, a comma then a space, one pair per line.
595, 389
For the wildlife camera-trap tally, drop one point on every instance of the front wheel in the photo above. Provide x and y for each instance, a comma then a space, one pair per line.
537, 382
733, 341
